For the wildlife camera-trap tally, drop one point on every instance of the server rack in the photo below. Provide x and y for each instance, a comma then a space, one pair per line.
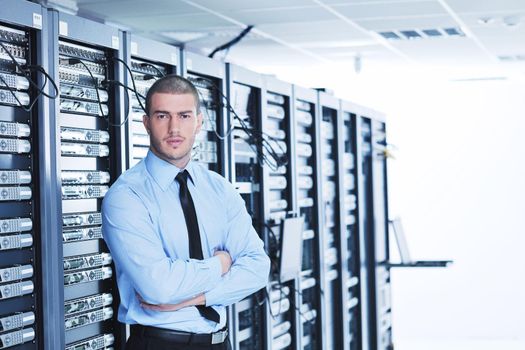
21, 176
331, 242
277, 123
349, 212
306, 124
209, 76
89, 144
373, 228
249, 316
147, 60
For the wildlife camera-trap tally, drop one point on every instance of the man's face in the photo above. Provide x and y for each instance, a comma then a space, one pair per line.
172, 125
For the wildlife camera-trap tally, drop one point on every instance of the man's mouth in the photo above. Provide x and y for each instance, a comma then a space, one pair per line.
175, 141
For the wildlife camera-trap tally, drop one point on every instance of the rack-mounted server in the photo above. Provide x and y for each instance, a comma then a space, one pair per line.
20, 145
332, 243
249, 316
306, 123
88, 117
349, 211
277, 124
371, 134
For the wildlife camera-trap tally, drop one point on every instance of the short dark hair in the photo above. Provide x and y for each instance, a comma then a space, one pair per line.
172, 84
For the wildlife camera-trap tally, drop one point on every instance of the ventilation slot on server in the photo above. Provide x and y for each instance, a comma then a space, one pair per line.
144, 74
307, 202
19, 197
87, 170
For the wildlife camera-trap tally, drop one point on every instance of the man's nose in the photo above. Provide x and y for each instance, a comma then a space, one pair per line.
174, 125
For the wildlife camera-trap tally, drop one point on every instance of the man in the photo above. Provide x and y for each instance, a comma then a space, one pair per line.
180, 236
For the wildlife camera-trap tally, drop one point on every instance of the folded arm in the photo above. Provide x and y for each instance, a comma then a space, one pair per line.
250, 268
137, 251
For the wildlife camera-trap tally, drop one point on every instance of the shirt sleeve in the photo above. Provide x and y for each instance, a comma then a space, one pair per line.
137, 251
251, 266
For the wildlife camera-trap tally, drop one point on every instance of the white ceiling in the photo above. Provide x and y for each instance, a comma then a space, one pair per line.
309, 32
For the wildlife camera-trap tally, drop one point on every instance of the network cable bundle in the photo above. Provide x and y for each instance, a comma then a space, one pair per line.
19, 229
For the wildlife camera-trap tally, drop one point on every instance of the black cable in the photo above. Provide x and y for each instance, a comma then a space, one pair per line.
72, 61
26, 70
47, 78
133, 82
220, 137
232, 42
255, 136
124, 86
127, 107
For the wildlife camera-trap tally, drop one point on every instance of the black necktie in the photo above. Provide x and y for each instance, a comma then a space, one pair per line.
194, 236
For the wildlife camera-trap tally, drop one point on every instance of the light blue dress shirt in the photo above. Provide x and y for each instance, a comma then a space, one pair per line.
144, 227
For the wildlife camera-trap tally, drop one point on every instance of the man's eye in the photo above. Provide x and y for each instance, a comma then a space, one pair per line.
185, 116
162, 116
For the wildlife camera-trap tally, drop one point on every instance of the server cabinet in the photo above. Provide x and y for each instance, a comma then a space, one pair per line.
351, 326
209, 77
21, 175
249, 316
306, 124
279, 194
373, 227
331, 238
145, 61
89, 146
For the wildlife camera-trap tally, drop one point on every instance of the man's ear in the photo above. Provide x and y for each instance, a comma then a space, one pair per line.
199, 123
145, 121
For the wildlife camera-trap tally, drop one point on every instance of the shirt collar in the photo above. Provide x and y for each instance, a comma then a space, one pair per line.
163, 172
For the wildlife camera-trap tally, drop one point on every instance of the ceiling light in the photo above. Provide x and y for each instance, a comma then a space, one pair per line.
428, 33
185, 36
411, 34
389, 35
454, 31
432, 32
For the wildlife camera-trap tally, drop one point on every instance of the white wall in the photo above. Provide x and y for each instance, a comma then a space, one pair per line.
459, 185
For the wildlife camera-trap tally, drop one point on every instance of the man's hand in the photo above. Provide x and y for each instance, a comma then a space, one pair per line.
226, 260
198, 300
